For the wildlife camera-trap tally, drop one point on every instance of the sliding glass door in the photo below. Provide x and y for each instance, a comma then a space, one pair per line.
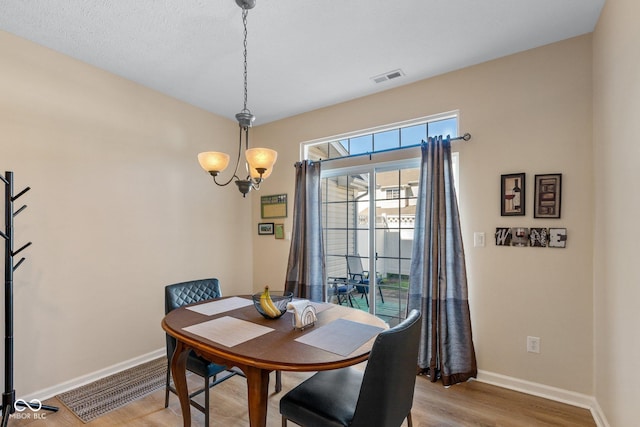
368, 217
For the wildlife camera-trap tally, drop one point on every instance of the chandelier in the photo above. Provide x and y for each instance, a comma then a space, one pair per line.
258, 161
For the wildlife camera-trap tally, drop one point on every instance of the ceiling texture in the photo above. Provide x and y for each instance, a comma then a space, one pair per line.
302, 54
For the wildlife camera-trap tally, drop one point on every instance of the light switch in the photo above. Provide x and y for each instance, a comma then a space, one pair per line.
478, 239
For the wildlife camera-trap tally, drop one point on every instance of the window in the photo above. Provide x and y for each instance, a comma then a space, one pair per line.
382, 139
392, 193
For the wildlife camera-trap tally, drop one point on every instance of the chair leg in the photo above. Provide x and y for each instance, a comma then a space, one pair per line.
167, 385
409, 421
278, 381
206, 401
284, 421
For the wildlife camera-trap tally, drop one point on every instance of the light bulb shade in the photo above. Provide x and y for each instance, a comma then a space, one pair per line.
260, 158
213, 161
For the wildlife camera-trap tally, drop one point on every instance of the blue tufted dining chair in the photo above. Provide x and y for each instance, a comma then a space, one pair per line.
176, 296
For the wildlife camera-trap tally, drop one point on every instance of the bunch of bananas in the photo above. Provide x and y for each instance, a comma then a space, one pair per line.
267, 304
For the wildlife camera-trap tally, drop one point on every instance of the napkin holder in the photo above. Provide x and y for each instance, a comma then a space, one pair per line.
304, 314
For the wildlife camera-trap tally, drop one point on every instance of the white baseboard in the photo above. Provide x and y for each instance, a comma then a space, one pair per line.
552, 393
598, 415
94, 376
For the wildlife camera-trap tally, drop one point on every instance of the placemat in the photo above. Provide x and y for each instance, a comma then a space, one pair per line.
220, 306
341, 336
228, 330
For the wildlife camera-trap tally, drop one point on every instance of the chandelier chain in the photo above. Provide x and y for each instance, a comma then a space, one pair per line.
244, 22
259, 161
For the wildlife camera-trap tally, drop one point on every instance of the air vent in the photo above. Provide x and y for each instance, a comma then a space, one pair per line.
387, 76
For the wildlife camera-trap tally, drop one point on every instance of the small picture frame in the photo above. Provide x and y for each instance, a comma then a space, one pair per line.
512, 194
279, 231
265, 228
548, 196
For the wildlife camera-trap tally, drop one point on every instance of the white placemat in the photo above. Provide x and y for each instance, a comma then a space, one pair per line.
228, 331
341, 336
220, 306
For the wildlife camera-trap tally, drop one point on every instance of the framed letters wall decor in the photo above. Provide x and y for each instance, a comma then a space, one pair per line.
503, 236
557, 237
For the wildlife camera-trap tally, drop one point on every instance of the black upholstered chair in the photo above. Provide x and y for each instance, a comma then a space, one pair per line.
176, 296
381, 396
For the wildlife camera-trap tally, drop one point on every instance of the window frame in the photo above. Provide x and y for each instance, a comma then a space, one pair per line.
305, 146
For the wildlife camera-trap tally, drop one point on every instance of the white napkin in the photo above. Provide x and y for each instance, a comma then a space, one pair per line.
304, 313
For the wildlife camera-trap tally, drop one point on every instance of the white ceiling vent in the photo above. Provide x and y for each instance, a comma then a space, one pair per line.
389, 75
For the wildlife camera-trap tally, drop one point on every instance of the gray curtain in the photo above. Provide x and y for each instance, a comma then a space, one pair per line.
306, 269
438, 278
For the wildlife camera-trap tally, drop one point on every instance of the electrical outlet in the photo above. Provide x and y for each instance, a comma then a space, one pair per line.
478, 239
533, 344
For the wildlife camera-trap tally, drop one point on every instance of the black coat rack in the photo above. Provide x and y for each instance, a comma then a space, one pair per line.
9, 395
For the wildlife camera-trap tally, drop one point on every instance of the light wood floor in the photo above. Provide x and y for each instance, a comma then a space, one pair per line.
468, 404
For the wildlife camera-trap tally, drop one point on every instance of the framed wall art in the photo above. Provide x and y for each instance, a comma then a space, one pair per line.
265, 228
512, 194
274, 206
548, 196
279, 231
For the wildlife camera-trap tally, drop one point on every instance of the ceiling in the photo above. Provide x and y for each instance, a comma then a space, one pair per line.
302, 54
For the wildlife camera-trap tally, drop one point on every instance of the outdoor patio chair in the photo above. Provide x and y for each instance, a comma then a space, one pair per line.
340, 288
359, 277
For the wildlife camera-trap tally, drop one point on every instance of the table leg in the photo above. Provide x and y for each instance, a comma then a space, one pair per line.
179, 372
258, 394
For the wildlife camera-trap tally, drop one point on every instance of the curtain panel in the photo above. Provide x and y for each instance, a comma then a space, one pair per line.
306, 267
438, 278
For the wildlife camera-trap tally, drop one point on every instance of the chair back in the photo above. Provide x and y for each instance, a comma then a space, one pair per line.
386, 394
179, 294
357, 273
354, 265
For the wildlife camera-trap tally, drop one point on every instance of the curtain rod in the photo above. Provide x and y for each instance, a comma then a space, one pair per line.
465, 137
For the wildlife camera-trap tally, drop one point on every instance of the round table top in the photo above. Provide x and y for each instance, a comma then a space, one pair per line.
278, 349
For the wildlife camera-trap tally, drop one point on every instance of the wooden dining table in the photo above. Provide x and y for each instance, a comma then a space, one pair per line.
279, 347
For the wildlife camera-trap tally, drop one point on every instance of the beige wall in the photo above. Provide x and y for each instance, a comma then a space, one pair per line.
617, 152
531, 113
118, 208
